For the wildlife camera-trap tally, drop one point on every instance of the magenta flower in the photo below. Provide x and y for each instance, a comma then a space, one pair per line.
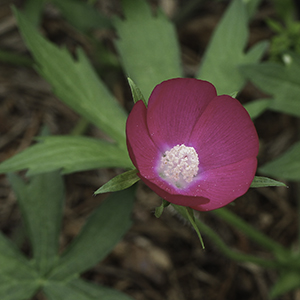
192, 147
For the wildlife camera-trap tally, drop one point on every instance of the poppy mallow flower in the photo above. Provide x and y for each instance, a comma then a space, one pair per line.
192, 147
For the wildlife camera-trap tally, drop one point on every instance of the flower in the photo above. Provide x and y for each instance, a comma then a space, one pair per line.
192, 147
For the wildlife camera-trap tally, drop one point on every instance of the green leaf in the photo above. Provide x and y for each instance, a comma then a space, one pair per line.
225, 52
190, 215
75, 82
120, 182
287, 282
136, 92
41, 202
287, 166
13, 264
33, 10
82, 15
101, 233
147, 45
260, 181
257, 107
280, 81
81, 290
68, 153
12, 289
159, 210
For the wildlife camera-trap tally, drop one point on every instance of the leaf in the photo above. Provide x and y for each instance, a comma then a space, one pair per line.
75, 82
33, 10
147, 45
41, 202
190, 215
120, 182
159, 210
257, 107
287, 166
136, 92
12, 289
101, 233
82, 15
260, 181
225, 52
13, 264
280, 81
287, 282
81, 290
69, 153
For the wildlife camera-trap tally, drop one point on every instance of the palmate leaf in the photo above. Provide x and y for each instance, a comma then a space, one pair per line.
12, 289
81, 290
225, 52
287, 166
68, 153
75, 82
41, 202
13, 264
257, 107
148, 45
82, 15
102, 231
18, 279
280, 81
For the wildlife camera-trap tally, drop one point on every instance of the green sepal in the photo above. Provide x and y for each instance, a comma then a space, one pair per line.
260, 181
136, 92
159, 210
190, 214
120, 182
234, 94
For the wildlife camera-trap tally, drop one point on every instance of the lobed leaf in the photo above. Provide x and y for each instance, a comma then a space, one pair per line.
100, 234
81, 290
75, 82
13, 264
12, 289
148, 45
287, 166
68, 153
280, 81
257, 107
82, 15
41, 202
225, 52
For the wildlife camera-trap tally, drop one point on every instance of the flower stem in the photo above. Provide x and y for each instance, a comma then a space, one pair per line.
252, 233
227, 251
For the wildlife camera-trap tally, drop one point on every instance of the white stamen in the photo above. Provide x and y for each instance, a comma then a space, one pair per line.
179, 165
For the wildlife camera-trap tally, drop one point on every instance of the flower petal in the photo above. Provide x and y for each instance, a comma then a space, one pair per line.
224, 134
174, 107
167, 192
141, 148
225, 184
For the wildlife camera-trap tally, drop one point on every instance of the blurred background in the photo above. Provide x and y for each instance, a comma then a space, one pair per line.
158, 258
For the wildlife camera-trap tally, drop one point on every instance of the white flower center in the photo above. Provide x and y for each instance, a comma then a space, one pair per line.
179, 165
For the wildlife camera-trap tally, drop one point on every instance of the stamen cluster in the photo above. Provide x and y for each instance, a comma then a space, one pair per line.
179, 165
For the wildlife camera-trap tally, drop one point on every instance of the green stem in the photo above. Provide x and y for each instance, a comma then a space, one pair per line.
227, 251
249, 231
